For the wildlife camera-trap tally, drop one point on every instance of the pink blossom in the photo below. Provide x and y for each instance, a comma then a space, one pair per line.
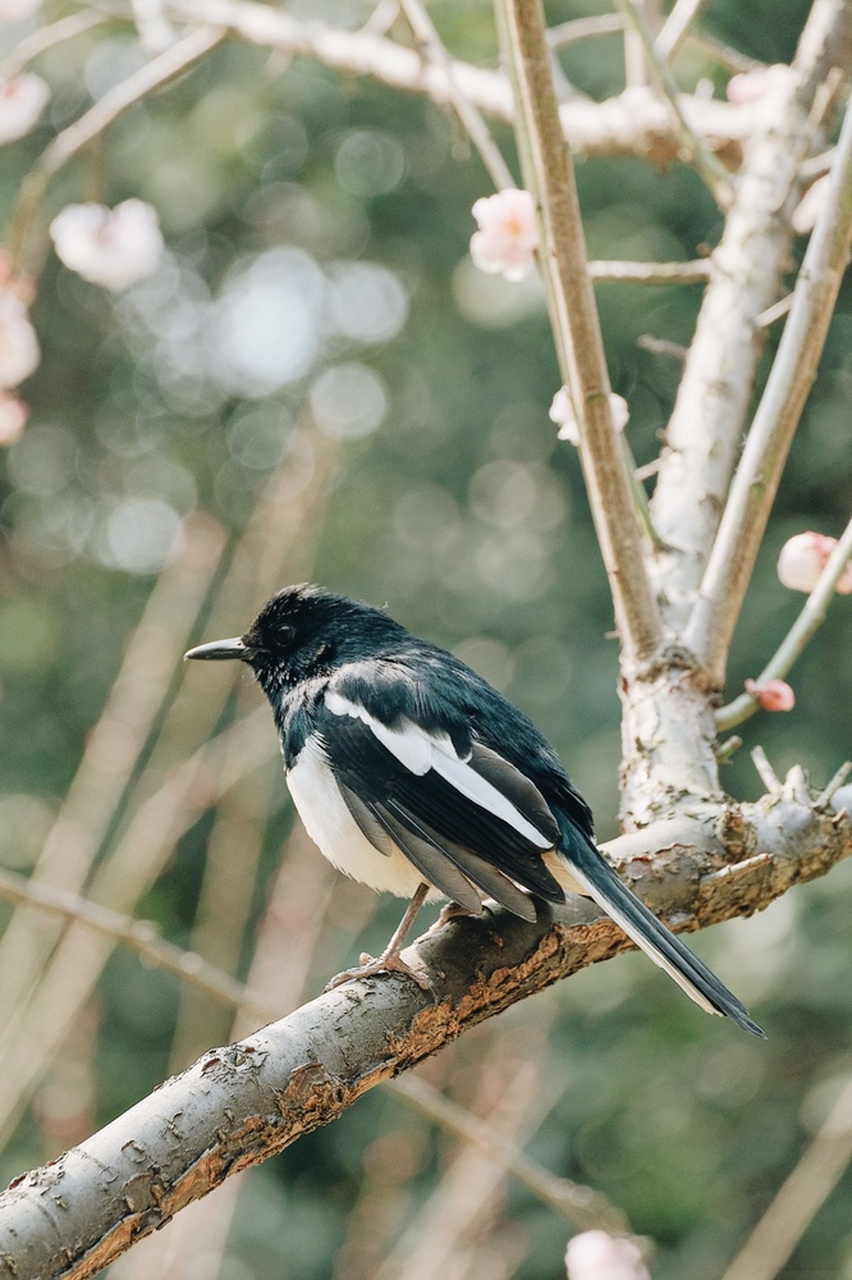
111, 247
594, 1255
13, 418
22, 100
772, 695
803, 558
759, 83
508, 234
562, 412
19, 350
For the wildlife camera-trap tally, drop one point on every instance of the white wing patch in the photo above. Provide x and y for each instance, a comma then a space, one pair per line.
419, 751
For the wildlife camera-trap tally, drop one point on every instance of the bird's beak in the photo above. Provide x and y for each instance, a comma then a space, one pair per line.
220, 649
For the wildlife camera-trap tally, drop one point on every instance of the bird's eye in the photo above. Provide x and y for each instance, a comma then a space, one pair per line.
284, 633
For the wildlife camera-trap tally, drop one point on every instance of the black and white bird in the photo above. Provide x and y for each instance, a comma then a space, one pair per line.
416, 777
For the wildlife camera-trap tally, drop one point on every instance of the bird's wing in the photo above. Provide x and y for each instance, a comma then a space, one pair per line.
461, 816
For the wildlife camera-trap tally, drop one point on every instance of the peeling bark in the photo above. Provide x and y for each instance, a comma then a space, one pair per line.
238, 1105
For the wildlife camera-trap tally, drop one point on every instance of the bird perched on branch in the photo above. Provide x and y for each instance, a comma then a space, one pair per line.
416, 777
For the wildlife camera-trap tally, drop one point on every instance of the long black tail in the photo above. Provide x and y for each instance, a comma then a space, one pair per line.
595, 877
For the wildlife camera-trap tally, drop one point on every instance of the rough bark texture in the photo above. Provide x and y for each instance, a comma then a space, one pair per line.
239, 1105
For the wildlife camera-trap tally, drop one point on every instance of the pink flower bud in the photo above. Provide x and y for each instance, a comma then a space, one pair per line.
22, 100
594, 1255
13, 419
803, 558
508, 234
19, 350
760, 83
773, 695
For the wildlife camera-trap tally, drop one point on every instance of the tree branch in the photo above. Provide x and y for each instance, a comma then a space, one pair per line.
809, 620
705, 430
759, 472
239, 1105
153, 75
548, 172
470, 116
634, 123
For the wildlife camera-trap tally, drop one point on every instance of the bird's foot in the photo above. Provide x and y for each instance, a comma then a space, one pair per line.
387, 962
390, 960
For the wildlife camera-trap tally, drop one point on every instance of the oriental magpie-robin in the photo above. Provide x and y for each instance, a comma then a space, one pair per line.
416, 777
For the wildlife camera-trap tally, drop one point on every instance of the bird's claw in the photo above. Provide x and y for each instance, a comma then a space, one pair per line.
385, 963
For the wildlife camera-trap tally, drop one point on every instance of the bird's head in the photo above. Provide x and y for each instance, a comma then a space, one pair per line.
302, 631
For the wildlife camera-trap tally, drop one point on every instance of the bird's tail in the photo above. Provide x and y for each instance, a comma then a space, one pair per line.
582, 865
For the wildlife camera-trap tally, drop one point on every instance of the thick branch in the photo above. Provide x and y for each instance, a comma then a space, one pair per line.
238, 1105
637, 122
549, 172
704, 433
759, 472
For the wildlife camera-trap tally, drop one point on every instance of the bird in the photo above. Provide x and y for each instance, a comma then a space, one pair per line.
416, 777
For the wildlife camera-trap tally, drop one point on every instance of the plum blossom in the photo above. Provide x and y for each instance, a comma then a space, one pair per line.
772, 695
110, 247
13, 418
22, 100
594, 1255
759, 83
19, 349
803, 558
508, 234
562, 412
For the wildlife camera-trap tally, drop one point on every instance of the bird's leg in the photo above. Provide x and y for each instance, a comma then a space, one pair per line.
390, 959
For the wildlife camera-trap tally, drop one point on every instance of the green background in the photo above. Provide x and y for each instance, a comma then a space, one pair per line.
448, 498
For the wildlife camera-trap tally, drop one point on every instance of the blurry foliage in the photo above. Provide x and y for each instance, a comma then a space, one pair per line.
317, 231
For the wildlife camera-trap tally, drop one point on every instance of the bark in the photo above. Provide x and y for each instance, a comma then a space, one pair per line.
238, 1105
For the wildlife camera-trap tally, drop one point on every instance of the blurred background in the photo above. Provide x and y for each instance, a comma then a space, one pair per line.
317, 384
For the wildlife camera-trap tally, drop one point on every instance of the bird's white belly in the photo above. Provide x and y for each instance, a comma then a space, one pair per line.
331, 826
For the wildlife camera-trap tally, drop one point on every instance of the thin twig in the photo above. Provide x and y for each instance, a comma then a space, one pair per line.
756, 480
767, 774
714, 174
577, 29
674, 30
808, 622
695, 272
731, 59
799, 1199
47, 37
424, 31
662, 347
94, 122
548, 171
581, 1207
774, 313
113, 749
825, 797
139, 936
